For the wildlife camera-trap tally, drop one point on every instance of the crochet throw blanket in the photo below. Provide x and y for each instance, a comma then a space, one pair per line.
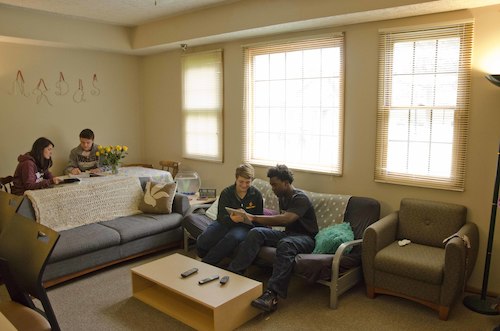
93, 200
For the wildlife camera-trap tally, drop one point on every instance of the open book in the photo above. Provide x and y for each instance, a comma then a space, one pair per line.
240, 212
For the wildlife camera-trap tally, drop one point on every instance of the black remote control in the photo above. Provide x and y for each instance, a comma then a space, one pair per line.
189, 272
208, 279
224, 280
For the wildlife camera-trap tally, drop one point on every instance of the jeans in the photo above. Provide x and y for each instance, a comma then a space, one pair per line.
288, 245
219, 240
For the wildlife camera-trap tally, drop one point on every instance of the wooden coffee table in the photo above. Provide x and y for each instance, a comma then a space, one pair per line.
211, 306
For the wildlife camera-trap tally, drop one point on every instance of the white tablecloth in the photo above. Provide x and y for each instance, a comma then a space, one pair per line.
155, 174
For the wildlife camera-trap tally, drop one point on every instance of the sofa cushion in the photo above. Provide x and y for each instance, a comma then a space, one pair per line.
84, 239
143, 225
419, 262
158, 198
330, 238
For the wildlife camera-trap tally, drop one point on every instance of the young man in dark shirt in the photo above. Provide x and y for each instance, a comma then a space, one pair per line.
299, 219
223, 236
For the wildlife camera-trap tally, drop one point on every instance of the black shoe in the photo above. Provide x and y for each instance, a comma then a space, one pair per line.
267, 301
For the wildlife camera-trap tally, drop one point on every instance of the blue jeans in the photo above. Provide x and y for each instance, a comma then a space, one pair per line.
219, 240
288, 245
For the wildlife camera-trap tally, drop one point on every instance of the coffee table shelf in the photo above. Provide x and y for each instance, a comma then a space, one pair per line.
206, 307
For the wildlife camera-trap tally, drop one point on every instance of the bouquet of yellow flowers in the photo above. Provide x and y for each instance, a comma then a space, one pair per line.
111, 156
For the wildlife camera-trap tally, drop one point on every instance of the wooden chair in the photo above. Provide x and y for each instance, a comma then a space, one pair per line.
8, 205
144, 165
25, 247
6, 183
171, 166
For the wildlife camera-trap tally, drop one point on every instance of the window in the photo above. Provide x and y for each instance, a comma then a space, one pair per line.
423, 108
294, 104
202, 105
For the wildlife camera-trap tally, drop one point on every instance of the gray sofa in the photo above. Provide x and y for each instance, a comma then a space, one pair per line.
94, 246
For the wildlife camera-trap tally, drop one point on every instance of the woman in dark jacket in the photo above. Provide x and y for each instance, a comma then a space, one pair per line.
32, 172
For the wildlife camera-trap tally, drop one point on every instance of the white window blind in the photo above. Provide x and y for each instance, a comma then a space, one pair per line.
423, 111
202, 105
294, 104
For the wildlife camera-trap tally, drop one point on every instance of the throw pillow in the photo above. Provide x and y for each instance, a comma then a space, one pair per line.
158, 198
330, 238
212, 210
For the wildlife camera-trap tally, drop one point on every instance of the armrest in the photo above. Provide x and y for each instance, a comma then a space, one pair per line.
198, 209
382, 233
454, 270
471, 231
181, 204
459, 262
338, 254
377, 236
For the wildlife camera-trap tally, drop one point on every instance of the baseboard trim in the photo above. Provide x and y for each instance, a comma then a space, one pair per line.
475, 290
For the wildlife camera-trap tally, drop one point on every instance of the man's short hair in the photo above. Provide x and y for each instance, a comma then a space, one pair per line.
281, 172
87, 134
245, 170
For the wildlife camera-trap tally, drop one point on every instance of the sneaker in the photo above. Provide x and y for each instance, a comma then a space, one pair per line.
267, 301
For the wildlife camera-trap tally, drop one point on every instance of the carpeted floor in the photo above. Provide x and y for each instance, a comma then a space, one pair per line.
103, 301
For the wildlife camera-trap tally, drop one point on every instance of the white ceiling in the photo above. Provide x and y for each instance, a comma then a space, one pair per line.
136, 12
117, 12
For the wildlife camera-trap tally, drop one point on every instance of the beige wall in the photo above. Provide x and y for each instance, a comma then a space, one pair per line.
114, 115
161, 79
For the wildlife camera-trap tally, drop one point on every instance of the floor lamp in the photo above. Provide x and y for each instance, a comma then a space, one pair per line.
482, 304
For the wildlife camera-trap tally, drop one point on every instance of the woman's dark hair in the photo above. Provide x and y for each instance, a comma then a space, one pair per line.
281, 172
37, 153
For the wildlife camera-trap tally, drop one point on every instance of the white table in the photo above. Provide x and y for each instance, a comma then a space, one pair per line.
155, 174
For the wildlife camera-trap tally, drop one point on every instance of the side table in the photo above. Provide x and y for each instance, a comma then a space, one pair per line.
196, 200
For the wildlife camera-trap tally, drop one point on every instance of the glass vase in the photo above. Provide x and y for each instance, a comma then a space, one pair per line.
114, 168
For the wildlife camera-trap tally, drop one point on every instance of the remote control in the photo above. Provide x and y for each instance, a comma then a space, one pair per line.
208, 279
189, 272
224, 280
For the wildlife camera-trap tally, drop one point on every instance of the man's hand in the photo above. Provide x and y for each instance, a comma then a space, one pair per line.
236, 218
57, 180
95, 171
75, 171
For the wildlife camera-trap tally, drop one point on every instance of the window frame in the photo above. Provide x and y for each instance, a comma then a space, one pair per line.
387, 39
215, 61
331, 40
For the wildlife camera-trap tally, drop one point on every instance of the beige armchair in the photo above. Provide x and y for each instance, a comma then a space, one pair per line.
427, 270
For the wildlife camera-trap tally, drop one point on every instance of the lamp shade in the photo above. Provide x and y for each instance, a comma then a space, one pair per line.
495, 79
